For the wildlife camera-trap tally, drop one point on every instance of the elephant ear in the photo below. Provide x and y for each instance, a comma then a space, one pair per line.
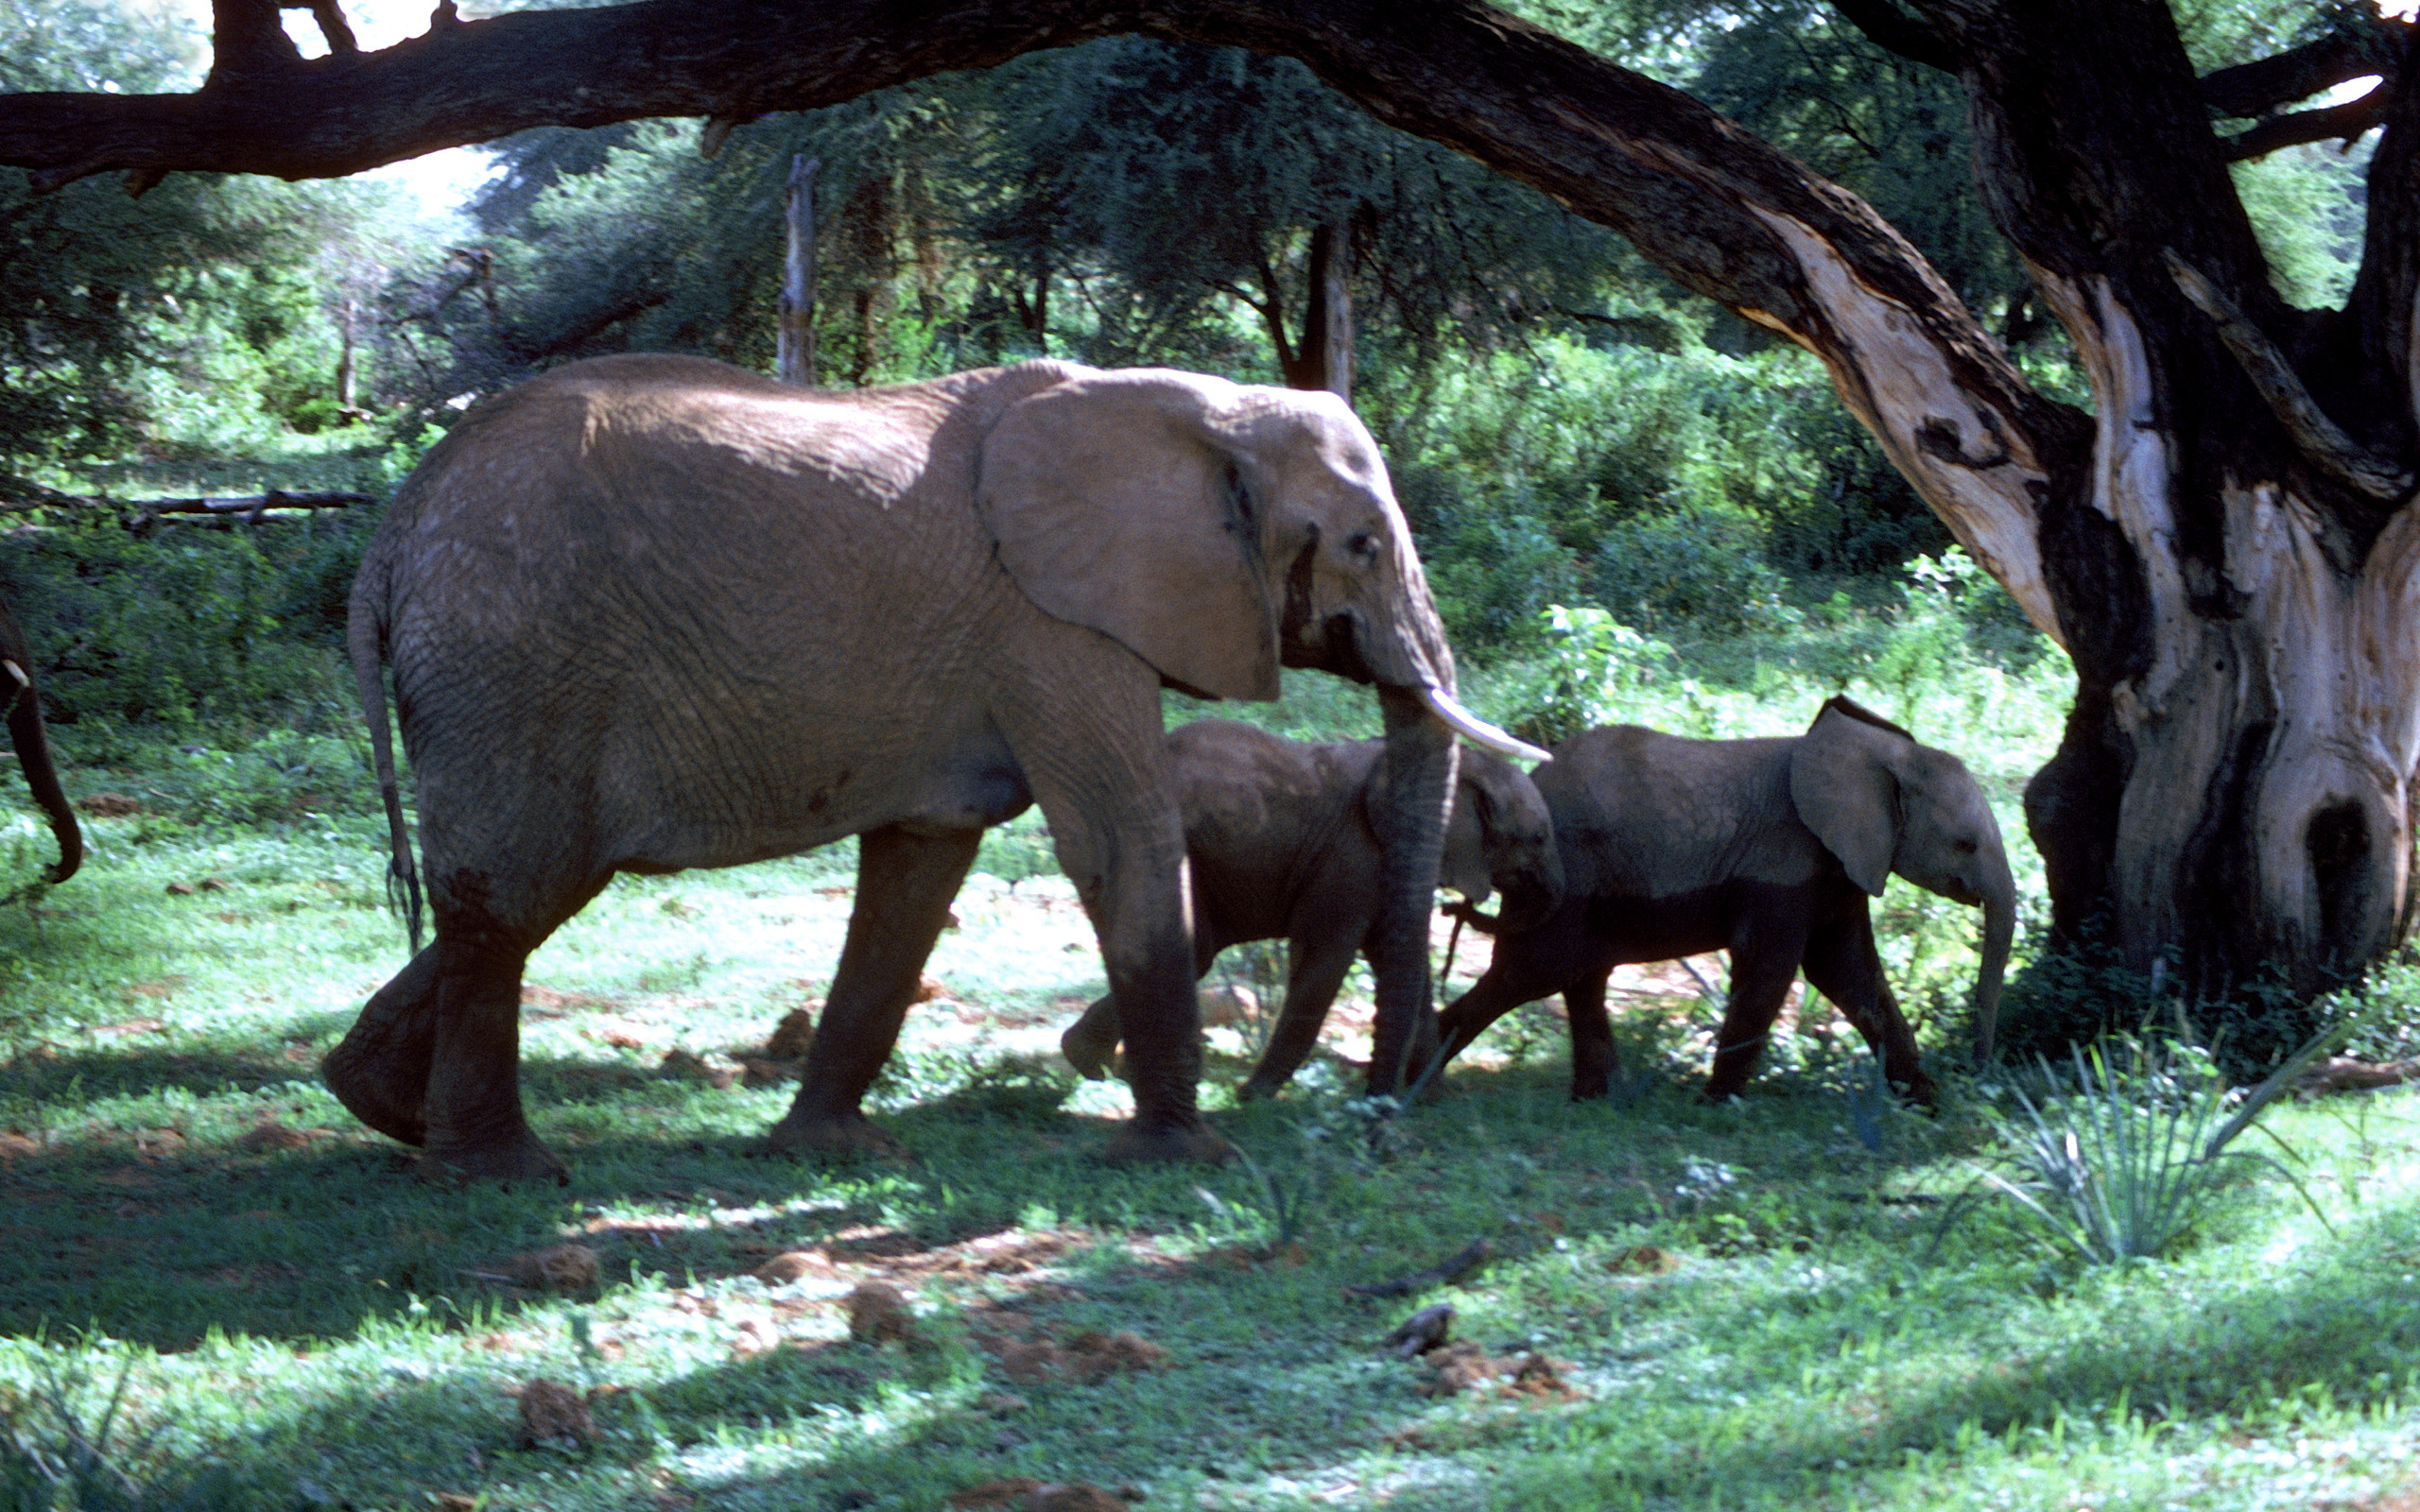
1126, 502
1844, 780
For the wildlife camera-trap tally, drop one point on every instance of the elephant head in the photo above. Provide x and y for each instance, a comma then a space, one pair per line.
33, 745
1881, 803
1499, 839
1221, 532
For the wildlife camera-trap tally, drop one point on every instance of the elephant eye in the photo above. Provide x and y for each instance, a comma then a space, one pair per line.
1362, 546
1964, 848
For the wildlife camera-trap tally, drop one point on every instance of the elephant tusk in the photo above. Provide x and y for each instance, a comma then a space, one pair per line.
1476, 731
19, 673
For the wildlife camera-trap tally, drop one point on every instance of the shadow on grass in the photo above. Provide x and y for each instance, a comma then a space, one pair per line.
1277, 1376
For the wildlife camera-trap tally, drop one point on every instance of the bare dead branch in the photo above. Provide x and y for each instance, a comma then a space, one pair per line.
2343, 123
2321, 442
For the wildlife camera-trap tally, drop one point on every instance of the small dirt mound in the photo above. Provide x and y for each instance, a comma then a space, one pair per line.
790, 1037
878, 1315
109, 805
553, 1414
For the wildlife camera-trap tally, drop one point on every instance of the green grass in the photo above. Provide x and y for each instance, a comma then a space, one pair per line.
1768, 1305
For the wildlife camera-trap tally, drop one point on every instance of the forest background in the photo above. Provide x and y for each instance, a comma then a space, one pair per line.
1566, 427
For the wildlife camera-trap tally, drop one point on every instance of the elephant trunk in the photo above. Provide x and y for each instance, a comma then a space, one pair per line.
1420, 790
1999, 929
33, 754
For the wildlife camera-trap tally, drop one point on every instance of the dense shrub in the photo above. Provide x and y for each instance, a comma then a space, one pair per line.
187, 630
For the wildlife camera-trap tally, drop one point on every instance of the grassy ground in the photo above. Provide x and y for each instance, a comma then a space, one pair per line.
1778, 1304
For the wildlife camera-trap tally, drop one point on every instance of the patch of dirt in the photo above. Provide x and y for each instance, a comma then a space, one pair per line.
622, 1034
556, 1268
1086, 1355
109, 805
1466, 1367
186, 889
149, 989
544, 998
1644, 1260
1024, 1494
552, 1413
684, 1065
793, 1265
270, 1135
14, 1144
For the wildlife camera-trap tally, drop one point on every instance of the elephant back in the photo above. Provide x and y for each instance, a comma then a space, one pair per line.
1641, 813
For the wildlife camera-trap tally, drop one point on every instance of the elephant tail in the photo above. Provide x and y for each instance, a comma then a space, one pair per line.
365, 637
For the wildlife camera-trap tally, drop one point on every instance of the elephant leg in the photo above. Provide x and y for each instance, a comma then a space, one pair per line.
1766, 946
1594, 1059
1091, 1042
904, 884
380, 1069
1843, 965
1525, 968
1315, 973
477, 1130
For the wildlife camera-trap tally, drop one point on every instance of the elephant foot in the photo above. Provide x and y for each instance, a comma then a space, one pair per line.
1919, 1091
1257, 1088
1090, 1053
846, 1136
384, 1091
1159, 1141
379, 1071
521, 1158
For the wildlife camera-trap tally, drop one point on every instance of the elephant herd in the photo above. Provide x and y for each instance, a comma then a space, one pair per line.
647, 613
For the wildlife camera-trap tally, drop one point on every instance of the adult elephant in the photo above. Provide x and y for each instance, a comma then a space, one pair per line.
1282, 840
1766, 849
652, 613
32, 743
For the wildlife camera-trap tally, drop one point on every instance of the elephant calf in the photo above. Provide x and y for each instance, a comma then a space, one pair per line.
1767, 849
1283, 841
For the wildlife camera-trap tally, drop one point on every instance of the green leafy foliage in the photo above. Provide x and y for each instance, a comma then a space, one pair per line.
2128, 1160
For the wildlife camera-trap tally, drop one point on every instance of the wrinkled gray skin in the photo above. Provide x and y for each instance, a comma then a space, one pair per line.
652, 613
1282, 841
1766, 849
32, 744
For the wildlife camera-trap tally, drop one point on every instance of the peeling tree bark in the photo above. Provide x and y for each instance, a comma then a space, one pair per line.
2235, 779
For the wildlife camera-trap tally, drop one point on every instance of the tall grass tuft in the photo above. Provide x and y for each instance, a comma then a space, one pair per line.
52, 1458
2132, 1160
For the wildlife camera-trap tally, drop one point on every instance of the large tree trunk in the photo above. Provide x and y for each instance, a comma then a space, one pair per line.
2231, 574
2225, 548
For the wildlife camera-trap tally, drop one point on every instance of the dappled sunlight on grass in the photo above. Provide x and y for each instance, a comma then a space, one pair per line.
1776, 1303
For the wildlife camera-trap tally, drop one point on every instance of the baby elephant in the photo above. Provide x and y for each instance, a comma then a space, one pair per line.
1282, 844
1767, 849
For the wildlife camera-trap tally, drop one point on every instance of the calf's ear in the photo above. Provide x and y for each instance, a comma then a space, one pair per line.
1843, 784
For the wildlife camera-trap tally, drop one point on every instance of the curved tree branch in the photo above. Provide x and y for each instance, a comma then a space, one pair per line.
2367, 44
2331, 123
2320, 439
1726, 214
